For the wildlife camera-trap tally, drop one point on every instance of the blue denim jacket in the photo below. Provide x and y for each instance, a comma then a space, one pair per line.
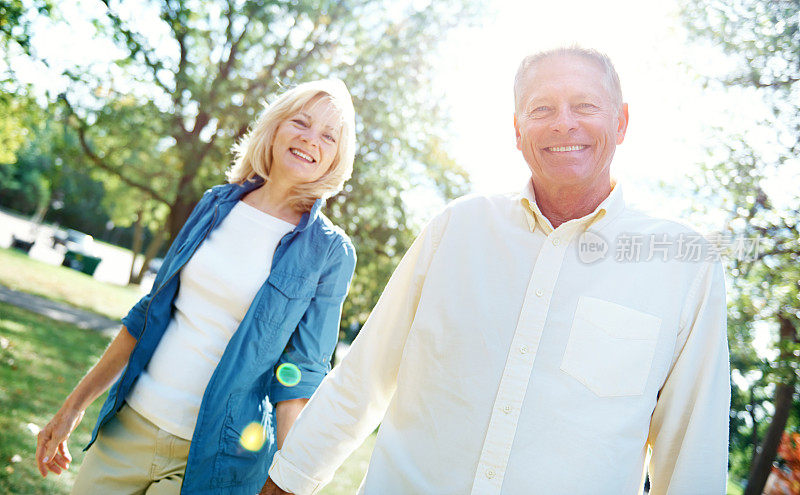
293, 318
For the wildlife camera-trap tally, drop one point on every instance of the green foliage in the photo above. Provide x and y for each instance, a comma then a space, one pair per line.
47, 168
749, 179
18, 113
15, 23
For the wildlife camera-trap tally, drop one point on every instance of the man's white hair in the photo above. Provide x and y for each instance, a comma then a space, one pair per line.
611, 76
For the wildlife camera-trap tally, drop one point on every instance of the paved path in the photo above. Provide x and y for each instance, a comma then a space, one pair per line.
59, 311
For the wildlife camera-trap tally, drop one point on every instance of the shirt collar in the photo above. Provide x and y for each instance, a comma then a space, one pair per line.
607, 209
235, 192
310, 216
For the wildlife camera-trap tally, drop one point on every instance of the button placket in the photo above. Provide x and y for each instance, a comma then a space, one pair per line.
520, 359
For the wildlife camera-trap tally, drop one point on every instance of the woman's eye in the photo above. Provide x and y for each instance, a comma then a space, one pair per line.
300, 122
329, 138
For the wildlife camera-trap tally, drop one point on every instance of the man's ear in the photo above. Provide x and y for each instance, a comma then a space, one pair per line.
622, 123
517, 133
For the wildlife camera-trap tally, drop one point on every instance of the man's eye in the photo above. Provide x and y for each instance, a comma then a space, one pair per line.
587, 106
538, 111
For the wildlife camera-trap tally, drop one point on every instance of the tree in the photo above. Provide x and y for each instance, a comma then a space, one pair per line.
194, 74
763, 38
15, 23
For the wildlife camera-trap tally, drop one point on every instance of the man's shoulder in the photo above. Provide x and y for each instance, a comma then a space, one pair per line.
482, 203
638, 221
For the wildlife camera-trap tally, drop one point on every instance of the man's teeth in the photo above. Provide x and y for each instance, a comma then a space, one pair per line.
302, 155
566, 148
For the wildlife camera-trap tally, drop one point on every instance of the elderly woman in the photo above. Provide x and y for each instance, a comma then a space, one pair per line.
238, 331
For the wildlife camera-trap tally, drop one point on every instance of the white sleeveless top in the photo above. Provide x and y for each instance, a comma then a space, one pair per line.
217, 286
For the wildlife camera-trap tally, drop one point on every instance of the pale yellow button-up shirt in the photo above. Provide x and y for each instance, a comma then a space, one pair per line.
508, 357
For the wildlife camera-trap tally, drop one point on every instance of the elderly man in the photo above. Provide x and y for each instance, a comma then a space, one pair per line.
513, 353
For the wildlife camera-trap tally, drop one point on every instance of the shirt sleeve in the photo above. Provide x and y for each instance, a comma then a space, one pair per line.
134, 320
353, 398
689, 426
311, 344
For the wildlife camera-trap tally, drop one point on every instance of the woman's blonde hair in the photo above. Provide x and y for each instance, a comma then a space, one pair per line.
253, 154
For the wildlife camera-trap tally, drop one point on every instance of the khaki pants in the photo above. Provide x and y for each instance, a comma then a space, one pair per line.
133, 456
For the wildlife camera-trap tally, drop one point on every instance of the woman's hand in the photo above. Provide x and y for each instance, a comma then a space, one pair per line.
52, 452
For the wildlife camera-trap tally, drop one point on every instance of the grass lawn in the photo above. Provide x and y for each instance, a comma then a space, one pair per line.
59, 283
41, 360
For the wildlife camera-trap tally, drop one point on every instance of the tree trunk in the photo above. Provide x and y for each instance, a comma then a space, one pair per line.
178, 214
754, 434
182, 207
149, 254
137, 246
784, 395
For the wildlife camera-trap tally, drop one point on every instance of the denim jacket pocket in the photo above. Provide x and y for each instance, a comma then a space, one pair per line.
286, 299
247, 440
610, 347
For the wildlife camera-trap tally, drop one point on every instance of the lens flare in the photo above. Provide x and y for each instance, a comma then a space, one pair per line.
288, 374
253, 436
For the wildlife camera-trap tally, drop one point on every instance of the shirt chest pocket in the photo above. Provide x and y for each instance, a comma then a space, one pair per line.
286, 299
611, 347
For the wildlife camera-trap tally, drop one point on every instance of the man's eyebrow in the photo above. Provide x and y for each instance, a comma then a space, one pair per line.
533, 101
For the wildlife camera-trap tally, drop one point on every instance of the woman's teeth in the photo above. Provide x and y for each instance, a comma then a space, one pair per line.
302, 155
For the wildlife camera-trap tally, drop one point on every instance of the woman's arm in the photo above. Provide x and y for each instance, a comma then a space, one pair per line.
285, 414
51, 445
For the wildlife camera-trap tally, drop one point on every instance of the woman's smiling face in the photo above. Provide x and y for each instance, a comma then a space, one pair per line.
306, 143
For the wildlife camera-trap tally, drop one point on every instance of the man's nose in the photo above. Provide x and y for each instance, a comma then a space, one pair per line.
564, 121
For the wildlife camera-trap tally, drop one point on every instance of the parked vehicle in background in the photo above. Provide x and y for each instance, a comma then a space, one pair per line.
79, 251
73, 240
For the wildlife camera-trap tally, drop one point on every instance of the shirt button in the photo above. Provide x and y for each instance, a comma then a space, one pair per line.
556, 241
490, 473
539, 292
506, 409
523, 349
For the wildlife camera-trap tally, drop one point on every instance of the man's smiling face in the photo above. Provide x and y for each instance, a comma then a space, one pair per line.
568, 123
